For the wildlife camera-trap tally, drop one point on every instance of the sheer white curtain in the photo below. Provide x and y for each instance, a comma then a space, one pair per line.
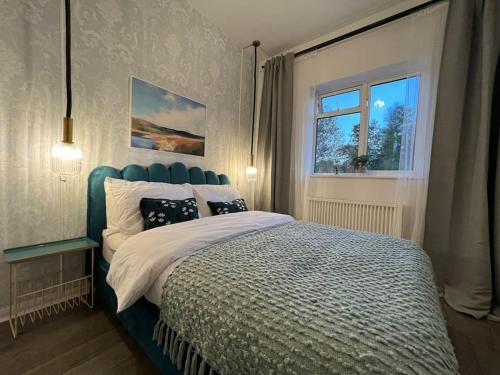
302, 139
410, 46
416, 135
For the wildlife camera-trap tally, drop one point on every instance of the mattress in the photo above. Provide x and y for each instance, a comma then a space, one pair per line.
111, 243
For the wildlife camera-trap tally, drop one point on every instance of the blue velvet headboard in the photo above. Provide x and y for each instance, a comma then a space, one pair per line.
177, 173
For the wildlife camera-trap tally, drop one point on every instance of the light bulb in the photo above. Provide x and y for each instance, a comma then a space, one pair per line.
251, 172
66, 159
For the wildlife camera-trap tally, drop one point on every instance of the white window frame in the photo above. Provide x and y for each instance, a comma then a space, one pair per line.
364, 109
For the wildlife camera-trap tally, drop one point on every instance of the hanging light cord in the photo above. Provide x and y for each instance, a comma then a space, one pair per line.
69, 95
255, 44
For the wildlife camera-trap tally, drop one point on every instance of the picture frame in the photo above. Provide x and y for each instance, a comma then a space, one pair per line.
163, 120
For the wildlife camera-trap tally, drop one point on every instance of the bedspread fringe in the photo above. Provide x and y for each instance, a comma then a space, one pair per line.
182, 353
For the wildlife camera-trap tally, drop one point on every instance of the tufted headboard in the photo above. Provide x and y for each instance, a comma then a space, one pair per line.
177, 173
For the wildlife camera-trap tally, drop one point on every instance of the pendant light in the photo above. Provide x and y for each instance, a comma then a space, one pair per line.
251, 170
66, 157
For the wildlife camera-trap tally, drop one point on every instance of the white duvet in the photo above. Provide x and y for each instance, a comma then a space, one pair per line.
150, 256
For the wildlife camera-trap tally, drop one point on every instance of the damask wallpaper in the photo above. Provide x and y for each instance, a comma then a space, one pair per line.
166, 42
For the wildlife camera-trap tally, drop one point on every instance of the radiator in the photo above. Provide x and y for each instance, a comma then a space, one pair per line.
382, 218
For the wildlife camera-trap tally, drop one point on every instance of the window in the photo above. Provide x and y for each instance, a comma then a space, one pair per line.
337, 130
376, 118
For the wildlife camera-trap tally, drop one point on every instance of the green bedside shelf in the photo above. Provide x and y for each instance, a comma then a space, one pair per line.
21, 254
59, 295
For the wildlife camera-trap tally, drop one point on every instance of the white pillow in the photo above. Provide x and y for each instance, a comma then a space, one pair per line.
112, 209
123, 199
212, 193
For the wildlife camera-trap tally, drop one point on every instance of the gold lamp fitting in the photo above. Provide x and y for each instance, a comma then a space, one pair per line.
68, 130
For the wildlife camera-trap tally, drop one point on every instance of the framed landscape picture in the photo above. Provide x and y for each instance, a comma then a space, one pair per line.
164, 121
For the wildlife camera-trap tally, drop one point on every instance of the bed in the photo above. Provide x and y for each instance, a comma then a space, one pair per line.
255, 292
141, 318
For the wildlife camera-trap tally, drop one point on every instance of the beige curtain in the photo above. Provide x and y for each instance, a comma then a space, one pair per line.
462, 224
273, 189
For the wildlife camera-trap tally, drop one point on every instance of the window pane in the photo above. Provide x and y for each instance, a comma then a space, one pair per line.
391, 125
339, 102
337, 140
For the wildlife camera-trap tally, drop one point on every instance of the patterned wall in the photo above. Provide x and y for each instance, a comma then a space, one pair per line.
162, 41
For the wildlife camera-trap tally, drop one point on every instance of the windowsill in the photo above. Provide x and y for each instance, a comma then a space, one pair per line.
374, 175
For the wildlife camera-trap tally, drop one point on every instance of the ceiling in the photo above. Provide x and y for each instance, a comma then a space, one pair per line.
282, 24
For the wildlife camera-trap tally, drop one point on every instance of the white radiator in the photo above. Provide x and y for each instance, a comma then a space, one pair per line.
382, 218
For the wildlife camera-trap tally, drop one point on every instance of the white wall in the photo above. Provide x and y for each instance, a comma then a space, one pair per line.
165, 42
353, 188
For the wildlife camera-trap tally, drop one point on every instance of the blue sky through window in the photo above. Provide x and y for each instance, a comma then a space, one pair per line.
346, 123
386, 95
339, 102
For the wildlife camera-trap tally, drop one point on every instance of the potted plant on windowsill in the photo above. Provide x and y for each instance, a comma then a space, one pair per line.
359, 163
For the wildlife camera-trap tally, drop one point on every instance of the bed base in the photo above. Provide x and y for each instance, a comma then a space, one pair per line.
139, 320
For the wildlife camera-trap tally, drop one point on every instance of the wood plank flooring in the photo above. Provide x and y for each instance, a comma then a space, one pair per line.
93, 342
78, 342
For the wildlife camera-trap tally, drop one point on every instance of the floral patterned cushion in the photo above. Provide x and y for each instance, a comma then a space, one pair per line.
222, 208
159, 212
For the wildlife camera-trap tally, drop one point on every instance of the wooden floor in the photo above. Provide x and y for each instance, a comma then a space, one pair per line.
78, 342
92, 342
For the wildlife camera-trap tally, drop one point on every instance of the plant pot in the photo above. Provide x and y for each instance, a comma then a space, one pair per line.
360, 169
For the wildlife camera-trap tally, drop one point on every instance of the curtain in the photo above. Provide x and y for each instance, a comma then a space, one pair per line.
273, 189
462, 222
418, 121
302, 139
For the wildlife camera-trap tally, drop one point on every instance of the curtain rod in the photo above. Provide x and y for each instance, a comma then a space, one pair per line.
368, 27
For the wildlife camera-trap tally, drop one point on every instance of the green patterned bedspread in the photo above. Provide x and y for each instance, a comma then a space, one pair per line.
304, 298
